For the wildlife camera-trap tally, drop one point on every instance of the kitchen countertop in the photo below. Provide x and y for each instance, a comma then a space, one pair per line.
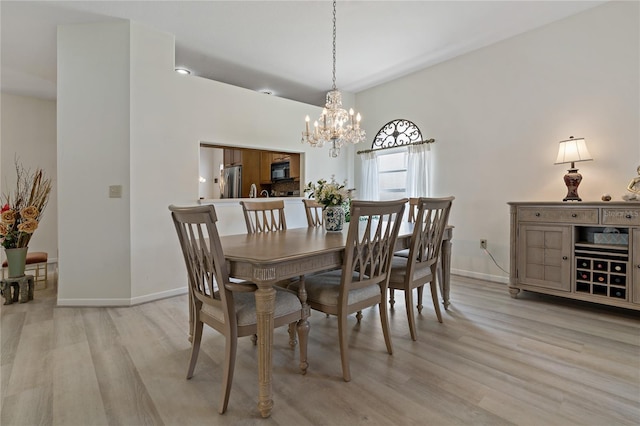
237, 200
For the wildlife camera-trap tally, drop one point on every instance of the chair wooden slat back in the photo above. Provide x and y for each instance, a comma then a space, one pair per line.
264, 216
313, 210
372, 234
206, 268
413, 206
430, 223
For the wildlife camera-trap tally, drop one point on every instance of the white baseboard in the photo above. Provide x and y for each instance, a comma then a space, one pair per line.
183, 290
94, 302
157, 296
481, 276
123, 302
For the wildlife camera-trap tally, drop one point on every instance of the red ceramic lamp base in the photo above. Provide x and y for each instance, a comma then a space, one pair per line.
572, 179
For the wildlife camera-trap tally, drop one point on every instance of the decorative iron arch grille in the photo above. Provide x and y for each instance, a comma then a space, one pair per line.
396, 133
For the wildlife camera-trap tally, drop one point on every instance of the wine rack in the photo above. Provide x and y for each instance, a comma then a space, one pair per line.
601, 270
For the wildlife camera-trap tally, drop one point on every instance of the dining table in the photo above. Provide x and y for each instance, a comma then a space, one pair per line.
271, 257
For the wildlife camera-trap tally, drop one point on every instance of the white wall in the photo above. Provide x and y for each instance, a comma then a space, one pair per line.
210, 161
498, 113
94, 153
28, 133
141, 126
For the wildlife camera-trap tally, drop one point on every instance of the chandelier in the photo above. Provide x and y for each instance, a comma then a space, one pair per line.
335, 126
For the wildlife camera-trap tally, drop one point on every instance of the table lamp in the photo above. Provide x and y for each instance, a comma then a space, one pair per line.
571, 151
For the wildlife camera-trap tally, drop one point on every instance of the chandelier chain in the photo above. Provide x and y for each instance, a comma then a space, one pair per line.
335, 125
334, 44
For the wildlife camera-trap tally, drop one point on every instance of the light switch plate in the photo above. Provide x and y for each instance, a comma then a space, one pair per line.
115, 191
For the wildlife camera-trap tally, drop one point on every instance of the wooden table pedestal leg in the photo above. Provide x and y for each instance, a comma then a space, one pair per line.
265, 306
445, 257
303, 326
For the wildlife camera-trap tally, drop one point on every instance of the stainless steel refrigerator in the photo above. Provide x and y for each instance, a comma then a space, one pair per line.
232, 182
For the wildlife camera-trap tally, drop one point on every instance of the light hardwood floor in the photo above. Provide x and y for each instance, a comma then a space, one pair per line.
536, 360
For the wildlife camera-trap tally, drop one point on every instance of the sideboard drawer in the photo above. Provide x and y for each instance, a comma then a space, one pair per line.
563, 215
621, 216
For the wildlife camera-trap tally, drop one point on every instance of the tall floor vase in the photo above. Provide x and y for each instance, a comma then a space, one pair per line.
16, 261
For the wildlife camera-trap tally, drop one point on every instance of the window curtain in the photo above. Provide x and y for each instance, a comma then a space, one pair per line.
418, 170
370, 190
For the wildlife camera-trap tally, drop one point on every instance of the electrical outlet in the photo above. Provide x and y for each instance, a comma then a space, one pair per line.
115, 191
483, 244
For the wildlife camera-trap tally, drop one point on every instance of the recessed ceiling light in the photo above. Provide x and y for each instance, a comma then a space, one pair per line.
267, 92
183, 71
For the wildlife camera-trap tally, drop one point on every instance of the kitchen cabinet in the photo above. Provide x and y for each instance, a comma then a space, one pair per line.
266, 158
250, 171
278, 157
586, 251
232, 157
294, 166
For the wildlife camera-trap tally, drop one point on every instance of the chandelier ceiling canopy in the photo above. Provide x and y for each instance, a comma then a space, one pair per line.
335, 126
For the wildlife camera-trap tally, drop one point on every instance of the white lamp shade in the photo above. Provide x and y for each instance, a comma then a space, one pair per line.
573, 150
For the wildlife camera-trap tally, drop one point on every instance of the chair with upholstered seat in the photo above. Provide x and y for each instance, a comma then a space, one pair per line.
413, 206
313, 211
411, 217
420, 267
362, 281
227, 307
264, 216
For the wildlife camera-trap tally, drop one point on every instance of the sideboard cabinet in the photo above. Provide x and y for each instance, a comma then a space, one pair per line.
586, 251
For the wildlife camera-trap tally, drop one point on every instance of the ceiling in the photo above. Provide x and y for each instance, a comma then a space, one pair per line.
278, 46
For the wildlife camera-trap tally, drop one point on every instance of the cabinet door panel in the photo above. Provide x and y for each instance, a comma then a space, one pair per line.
635, 266
545, 253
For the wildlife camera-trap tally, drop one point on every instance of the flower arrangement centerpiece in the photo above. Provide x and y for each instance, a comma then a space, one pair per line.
22, 210
333, 196
328, 193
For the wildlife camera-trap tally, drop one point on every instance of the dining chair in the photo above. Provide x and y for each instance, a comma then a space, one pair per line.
313, 210
413, 205
420, 267
411, 217
228, 307
264, 216
362, 281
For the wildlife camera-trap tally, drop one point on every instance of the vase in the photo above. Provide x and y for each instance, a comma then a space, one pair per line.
333, 218
16, 260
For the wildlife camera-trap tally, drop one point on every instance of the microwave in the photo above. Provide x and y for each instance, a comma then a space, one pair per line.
279, 171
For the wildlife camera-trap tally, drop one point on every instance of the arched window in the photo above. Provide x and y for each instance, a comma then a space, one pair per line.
397, 133
396, 166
